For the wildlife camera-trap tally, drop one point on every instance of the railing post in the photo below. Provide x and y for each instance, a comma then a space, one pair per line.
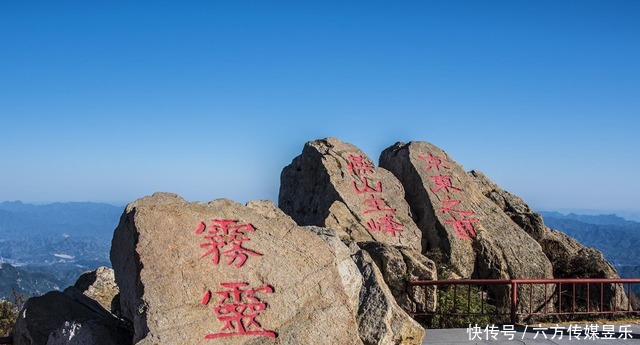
514, 301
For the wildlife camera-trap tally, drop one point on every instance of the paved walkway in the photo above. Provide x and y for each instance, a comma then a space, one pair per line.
534, 334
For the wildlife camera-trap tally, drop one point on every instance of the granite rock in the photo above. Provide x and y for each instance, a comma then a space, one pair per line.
182, 268
569, 258
100, 285
334, 184
380, 319
399, 266
476, 239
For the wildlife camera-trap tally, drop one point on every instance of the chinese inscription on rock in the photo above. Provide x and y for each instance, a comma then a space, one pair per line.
226, 234
461, 219
237, 306
382, 219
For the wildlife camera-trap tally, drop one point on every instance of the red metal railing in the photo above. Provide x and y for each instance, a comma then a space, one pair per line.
543, 297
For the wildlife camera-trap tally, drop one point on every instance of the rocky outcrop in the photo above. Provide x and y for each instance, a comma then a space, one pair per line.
333, 266
224, 273
477, 239
512, 205
68, 317
468, 234
569, 258
398, 267
334, 184
100, 285
562, 250
183, 268
380, 319
228, 273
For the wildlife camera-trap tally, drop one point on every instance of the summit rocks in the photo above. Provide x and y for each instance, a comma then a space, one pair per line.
477, 239
569, 258
334, 184
227, 273
332, 265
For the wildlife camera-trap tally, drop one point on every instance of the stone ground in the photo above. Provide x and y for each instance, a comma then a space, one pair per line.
532, 335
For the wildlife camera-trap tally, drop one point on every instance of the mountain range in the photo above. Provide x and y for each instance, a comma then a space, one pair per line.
617, 238
46, 247
20, 220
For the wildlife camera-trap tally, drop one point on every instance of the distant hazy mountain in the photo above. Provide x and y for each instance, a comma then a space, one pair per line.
20, 220
46, 247
617, 238
626, 214
602, 219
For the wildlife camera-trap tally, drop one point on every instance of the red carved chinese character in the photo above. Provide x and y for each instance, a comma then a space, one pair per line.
448, 204
443, 182
227, 233
366, 188
463, 226
386, 225
238, 308
377, 205
357, 165
433, 161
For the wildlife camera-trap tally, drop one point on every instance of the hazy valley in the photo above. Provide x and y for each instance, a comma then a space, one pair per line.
46, 247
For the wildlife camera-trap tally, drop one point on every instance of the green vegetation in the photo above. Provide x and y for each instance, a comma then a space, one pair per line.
455, 312
9, 313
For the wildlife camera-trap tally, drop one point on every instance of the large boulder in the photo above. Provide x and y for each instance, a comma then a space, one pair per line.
475, 237
334, 184
569, 258
68, 318
227, 273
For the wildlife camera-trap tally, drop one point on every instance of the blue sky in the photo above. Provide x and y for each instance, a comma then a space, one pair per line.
111, 101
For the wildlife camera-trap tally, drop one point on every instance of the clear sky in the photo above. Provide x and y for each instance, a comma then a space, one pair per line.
110, 101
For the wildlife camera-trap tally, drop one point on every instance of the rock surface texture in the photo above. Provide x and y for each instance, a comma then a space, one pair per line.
334, 184
400, 265
227, 273
569, 258
349, 272
68, 317
476, 238
380, 319
100, 285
